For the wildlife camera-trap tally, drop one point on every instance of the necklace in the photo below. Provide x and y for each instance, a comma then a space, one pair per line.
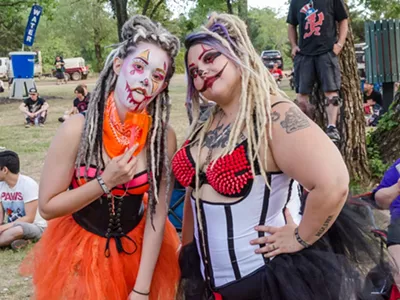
118, 136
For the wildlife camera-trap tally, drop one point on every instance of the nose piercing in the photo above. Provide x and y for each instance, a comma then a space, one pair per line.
145, 82
202, 73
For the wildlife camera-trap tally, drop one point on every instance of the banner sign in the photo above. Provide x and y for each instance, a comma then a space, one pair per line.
33, 22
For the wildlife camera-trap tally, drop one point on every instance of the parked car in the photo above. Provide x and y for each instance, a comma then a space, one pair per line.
75, 68
270, 57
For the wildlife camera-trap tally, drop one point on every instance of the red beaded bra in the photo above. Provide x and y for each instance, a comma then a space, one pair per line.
230, 175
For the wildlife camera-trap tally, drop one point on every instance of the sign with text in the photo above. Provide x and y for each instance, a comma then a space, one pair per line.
33, 22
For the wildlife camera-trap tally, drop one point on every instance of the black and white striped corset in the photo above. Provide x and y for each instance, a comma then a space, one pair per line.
229, 228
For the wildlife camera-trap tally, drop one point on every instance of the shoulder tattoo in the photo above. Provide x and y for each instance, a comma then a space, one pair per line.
294, 120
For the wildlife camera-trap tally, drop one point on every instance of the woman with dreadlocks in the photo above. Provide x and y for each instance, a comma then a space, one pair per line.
101, 243
246, 233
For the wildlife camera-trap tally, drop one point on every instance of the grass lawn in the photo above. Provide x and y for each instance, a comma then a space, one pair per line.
32, 144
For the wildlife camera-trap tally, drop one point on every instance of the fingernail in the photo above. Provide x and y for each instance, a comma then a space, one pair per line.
256, 228
257, 251
251, 243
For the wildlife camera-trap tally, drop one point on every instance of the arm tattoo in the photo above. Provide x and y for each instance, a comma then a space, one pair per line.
275, 116
294, 120
324, 226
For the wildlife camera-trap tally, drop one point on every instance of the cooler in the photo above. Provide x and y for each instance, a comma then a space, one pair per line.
23, 64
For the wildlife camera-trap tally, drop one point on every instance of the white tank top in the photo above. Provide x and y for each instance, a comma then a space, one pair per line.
229, 227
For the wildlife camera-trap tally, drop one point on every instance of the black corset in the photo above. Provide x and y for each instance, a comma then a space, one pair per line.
100, 218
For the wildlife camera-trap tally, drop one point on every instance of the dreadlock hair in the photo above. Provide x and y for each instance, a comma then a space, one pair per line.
137, 29
228, 35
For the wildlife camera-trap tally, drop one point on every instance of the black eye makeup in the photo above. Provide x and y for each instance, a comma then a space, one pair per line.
211, 56
194, 72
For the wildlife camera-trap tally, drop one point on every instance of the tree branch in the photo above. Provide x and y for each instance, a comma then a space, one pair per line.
15, 3
156, 8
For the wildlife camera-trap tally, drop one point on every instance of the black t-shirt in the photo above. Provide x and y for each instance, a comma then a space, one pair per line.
317, 23
376, 96
81, 105
34, 106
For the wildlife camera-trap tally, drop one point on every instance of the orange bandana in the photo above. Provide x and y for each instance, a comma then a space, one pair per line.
117, 136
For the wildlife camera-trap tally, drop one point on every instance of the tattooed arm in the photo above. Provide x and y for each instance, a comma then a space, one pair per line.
303, 151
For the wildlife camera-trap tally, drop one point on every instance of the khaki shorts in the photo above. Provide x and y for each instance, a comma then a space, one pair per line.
31, 231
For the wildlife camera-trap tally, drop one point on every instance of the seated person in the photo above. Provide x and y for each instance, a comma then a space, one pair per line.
79, 105
34, 108
87, 94
371, 97
19, 203
387, 196
276, 72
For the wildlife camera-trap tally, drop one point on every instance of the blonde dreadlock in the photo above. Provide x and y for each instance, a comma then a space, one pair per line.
228, 34
137, 29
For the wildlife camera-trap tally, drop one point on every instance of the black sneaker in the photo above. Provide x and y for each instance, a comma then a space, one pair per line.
19, 244
333, 134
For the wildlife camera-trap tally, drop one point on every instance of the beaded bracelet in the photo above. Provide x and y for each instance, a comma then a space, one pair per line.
299, 239
140, 293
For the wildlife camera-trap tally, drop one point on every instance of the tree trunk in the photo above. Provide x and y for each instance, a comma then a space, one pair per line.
229, 6
243, 10
351, 122
386, 135
154, 10
145, 7
98, 51
121, 13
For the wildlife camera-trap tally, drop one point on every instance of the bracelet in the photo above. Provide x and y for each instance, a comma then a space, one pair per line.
299, 239
140, 293
103, 185
340, 45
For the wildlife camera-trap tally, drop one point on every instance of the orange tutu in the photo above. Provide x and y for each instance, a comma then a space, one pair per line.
69, 263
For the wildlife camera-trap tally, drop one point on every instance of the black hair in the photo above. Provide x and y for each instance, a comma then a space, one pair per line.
10, 160
79, 89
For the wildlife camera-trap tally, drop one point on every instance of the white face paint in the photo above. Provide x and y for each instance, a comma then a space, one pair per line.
141, 76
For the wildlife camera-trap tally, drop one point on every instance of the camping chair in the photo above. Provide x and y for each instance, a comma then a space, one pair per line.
175, 211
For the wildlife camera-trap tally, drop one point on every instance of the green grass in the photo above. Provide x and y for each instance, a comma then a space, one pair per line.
32, 144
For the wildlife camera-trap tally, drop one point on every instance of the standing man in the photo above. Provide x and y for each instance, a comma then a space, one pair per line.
315, 51
34, 108
18, 203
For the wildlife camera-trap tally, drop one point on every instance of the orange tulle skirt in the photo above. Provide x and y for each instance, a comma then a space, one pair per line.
69, 263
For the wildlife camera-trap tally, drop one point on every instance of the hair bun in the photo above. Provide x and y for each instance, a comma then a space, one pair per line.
135, 24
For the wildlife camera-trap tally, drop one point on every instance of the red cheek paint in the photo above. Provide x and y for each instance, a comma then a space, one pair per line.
165, 66
191, 65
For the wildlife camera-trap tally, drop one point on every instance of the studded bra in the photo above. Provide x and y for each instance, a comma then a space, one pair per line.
230, 175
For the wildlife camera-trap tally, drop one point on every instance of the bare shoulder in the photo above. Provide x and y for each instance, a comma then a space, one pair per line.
69, 135
73, 127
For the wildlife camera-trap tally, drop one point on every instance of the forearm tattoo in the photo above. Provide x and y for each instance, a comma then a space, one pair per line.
294, 120
324, 226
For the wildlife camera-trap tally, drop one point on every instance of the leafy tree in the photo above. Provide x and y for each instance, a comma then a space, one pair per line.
13, 18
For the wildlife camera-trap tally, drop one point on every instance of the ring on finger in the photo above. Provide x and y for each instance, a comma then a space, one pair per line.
273, 247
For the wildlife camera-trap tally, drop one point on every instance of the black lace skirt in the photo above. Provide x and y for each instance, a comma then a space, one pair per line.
334, 268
